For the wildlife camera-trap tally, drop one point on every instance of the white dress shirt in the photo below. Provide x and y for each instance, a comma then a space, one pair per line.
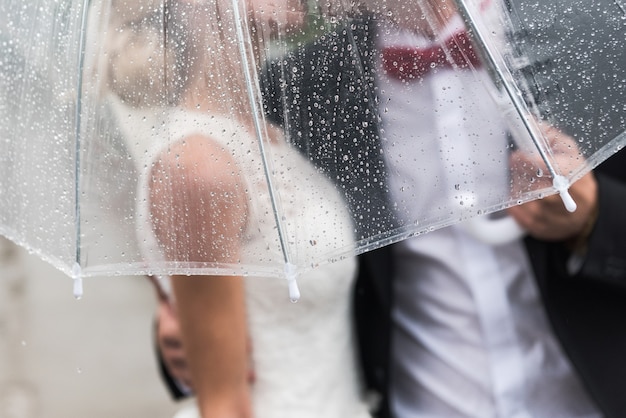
470, 338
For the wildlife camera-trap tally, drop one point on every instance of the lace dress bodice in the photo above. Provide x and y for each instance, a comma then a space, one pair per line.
303, 353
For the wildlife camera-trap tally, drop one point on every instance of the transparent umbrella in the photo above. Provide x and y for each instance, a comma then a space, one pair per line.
269, 138
562, 65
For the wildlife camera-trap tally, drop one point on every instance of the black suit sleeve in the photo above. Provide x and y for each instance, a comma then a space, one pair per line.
587, 310
606, 255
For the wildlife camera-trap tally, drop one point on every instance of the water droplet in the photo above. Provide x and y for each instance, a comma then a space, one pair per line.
539, 172
457, 187
79, 370
313, 242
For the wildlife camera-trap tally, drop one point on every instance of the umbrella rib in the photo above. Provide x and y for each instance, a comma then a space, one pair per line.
290, 268
76, 268
560, 183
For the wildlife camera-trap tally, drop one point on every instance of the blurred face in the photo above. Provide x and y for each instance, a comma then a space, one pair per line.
268, 17
425, 16
277, 16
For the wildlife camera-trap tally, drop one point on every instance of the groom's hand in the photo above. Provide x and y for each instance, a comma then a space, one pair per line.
547, 218
170, 345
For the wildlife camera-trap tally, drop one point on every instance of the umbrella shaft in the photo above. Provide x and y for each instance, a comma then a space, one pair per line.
499, 78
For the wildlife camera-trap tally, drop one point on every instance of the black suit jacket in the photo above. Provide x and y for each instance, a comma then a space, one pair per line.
586, 310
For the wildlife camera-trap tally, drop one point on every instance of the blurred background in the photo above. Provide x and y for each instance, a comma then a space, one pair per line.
65, 358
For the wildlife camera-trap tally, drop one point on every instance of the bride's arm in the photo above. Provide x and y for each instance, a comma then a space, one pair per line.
199, 210
212, 317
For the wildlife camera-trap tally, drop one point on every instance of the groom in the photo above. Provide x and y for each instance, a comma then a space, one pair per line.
425, 341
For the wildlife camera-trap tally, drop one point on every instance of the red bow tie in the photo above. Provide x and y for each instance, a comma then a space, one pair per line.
408, 63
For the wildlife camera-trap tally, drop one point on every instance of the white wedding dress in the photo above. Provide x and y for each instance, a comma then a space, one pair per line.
303, 353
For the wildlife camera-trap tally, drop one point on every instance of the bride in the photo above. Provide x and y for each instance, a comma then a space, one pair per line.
203, 199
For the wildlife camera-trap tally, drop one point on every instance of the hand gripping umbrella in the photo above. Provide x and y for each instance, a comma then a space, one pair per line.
322, 143
561, 63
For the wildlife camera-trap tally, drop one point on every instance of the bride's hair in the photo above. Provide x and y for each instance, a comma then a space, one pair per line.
143, 55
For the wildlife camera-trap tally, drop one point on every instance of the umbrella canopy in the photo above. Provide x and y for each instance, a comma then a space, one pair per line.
563, 64
268, 138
